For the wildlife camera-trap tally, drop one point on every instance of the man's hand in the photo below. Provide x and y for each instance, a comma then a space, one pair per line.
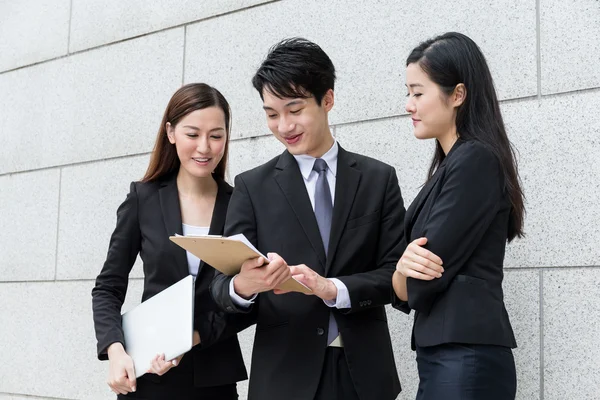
320, 286
255, 277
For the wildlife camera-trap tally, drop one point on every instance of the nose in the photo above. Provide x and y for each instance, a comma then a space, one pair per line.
203, 145
410, 106
284, 125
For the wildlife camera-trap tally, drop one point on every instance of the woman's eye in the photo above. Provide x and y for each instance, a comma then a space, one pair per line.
192, 135
295, 111
271, 116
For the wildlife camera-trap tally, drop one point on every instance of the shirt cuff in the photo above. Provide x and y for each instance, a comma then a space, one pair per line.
343, 297
237, 299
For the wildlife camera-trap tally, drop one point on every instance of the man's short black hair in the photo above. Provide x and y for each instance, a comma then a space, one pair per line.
294, 68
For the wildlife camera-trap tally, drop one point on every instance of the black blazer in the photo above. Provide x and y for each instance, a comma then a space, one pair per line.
270, 205
145, 220
463, 211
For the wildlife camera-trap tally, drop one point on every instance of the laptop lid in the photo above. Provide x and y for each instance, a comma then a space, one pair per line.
161, 324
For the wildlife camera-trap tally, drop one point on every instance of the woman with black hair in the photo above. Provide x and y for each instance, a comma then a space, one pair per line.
458, 226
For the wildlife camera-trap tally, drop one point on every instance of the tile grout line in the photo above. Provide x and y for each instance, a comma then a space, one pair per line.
70, 25
78, 163
551, 268
141, 35
57, 225
184, 53
31, 396
538, 35
541, 334
131, 279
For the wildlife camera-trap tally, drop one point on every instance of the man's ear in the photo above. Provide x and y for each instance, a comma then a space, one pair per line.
328, 100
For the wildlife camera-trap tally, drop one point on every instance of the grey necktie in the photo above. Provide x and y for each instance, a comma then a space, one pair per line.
324, 212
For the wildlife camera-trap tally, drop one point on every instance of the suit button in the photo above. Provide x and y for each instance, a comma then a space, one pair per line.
320, 331
229, 308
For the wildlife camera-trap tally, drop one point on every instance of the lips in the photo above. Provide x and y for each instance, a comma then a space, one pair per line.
415, 121
201, 160
293, 139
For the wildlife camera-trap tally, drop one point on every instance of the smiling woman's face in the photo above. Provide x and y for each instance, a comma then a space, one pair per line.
200, 139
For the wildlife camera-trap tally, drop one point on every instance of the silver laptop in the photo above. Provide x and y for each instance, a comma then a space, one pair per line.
161, 324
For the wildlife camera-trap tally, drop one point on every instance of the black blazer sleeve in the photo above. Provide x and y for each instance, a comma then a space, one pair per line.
375, 283
111, 284
469, 198
240, 219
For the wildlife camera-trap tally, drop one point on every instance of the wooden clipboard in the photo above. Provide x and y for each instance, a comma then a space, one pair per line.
227, 256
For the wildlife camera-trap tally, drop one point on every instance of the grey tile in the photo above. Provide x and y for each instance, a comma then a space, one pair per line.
558, 163
522, 299
97, 22
99, 104
570, 45
571, 331
90, 196
28, 217
51, 342
245, 154
32, 31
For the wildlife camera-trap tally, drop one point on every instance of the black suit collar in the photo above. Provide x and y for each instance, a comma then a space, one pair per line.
346, 186
171, 213
290, 180
418, 202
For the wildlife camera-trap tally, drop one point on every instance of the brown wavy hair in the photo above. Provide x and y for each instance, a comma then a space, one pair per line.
191, 97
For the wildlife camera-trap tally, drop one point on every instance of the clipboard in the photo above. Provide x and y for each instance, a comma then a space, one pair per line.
227, 254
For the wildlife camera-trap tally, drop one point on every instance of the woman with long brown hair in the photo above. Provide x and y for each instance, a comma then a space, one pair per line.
183, 192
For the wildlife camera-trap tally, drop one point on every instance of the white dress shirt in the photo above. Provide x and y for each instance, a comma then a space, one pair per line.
306, 163
192, 230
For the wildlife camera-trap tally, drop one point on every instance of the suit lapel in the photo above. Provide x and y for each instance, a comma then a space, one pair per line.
290, 180
171, 212
419, 201
217, 221
346, 185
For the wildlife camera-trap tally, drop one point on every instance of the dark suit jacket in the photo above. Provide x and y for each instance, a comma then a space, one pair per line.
145, 220
270, 205
463, 211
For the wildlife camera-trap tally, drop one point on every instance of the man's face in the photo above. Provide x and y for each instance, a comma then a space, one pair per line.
300, 123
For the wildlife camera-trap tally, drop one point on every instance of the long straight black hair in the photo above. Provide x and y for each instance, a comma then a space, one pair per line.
454, 58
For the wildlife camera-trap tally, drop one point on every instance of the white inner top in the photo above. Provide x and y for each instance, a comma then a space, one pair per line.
191, 230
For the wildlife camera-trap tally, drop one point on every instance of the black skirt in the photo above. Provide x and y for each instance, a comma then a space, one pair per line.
466, 372
178, 384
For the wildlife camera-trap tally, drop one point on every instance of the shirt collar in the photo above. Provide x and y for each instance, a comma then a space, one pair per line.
306, 162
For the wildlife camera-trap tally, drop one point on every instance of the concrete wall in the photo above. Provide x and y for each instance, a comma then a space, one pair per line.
83, 84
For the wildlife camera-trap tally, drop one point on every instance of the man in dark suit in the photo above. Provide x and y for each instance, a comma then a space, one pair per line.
333, 220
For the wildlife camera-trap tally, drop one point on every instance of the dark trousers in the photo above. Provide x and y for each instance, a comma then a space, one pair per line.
336, 382
466, 372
